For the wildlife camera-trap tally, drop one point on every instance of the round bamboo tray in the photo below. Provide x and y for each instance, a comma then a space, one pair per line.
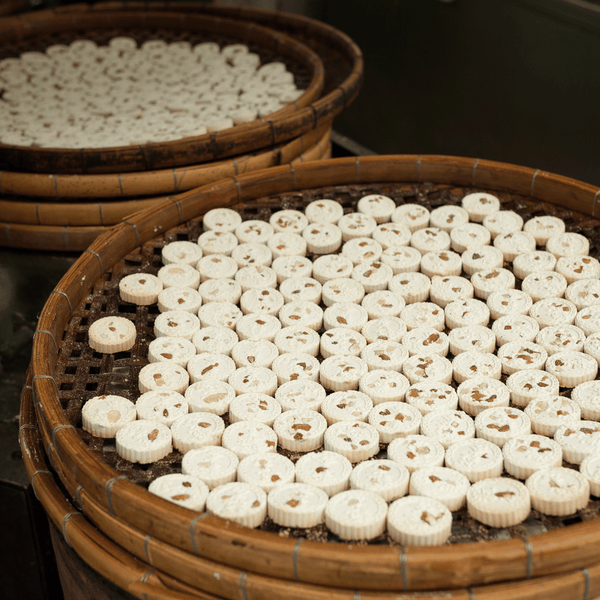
72, 227
38, 30
66, 372
133, 567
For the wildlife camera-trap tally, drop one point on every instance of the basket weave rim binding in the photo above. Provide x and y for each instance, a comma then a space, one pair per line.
134, 567
289, 122
374, 567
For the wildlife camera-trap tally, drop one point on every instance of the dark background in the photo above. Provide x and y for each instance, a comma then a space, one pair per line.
516, 81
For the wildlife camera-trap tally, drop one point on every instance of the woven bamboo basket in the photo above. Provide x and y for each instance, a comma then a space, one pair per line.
38, 30
343, 65
66, 372
66, 211
72, 226
132, 567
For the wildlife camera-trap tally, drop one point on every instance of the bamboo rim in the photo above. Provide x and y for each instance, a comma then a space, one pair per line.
65, 190
134, 563
85, 222
457, 566
289, 122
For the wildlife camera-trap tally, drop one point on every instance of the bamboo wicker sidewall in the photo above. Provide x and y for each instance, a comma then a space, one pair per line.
289, 122
76, 238
144, 578
114, 187
457, 566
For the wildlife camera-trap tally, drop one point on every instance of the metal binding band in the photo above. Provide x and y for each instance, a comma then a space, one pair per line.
238, 187
137, 237
237, 169
178, 184
243, 577
419, 168
100, 212
357, 169
108, 491
179, 206
293, 176
193, 532
175, 180
45, 377
295, 556
64, 523
121, 184
49, 333
471, 594
594, 203
586, 591
67, 298
58, 427
144, 578
28, 426
474, 170
146, 549
33, 480
78, 494
403, 569
356, 595
529, 549
533, 182
99, 260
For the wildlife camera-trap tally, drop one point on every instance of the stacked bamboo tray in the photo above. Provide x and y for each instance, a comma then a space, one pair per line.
155, 549
61, 199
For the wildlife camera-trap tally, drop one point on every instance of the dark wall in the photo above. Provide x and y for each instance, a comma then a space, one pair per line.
510, 80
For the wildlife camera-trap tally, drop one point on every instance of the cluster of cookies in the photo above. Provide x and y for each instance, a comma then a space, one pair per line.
89, 96
380, 341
